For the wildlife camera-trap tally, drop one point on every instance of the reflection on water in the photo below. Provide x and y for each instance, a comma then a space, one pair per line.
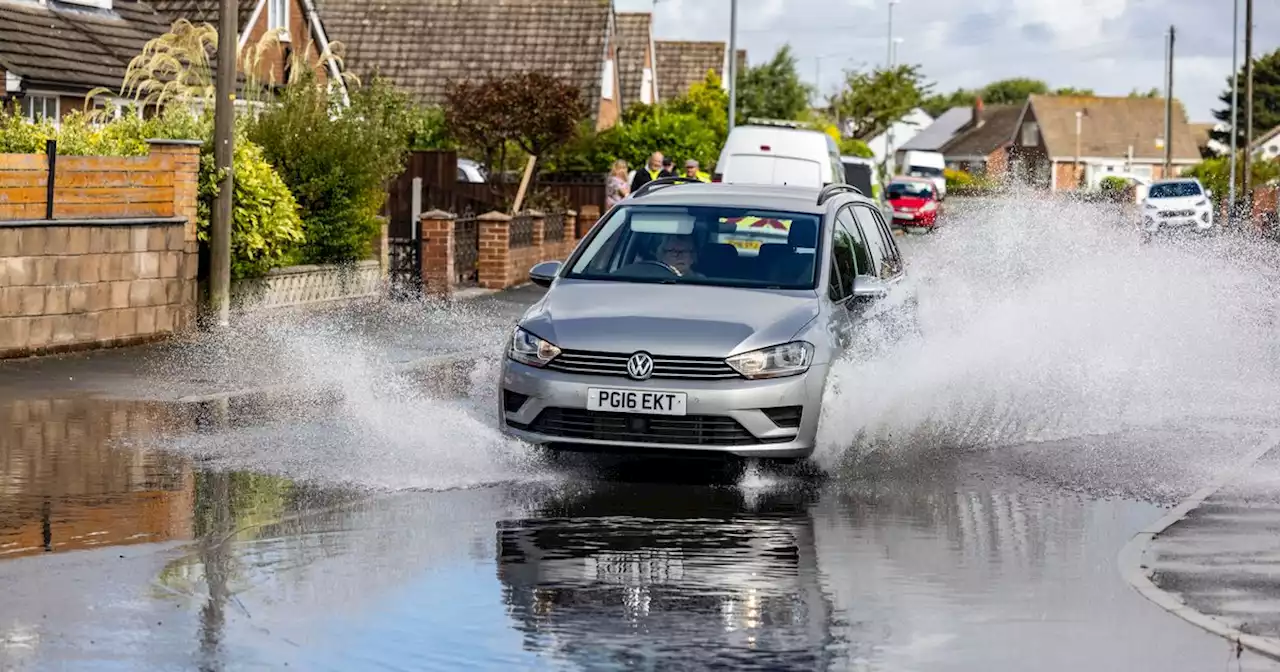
669, 577
68, 483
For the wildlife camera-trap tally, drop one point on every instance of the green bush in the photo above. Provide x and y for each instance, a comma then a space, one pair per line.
855, 147
266, 229
336, 160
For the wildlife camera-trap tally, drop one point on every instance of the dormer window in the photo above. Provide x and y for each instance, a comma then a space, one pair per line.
278, 17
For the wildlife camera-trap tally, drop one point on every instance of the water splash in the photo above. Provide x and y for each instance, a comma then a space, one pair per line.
1046, 320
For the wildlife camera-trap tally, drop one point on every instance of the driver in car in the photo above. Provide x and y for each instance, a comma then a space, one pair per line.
680, 254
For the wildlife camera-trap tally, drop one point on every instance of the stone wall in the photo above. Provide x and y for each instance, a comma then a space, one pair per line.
117, 264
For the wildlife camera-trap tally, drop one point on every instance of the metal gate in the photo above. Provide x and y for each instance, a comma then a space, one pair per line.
405, 262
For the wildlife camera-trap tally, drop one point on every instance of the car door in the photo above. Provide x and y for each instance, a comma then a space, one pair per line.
886, 258
843, 267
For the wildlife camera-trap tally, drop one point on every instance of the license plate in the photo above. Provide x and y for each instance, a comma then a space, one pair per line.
649, 402
903, 215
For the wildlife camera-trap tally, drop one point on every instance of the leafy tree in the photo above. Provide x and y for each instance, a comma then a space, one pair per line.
336, 159
1153, 92
1072, 91
429, 130
529, 111
706, 100
773, 90
871, 101
1266, 101
1012, 91
855, 147
1215, 174
939, 103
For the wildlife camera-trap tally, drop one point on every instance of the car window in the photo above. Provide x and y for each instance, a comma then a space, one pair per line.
709, 245
910, 189
892, 264
861, 258
875, 242
1173, 190
843, 265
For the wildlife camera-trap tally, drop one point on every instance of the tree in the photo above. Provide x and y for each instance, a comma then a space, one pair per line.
773, 90
939, 103
1072, 91
1266, 101
1013, 91
530, 111
1153, 92
706, 100
871, 101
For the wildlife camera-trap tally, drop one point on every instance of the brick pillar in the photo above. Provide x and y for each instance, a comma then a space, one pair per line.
570, 228
495, 249
436, 253
539, 226
185, 157
587, 217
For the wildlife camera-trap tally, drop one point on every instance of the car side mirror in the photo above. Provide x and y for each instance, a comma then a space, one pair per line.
869, 288
544, 273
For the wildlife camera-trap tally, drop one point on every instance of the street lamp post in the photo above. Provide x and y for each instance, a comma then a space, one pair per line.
1235, 106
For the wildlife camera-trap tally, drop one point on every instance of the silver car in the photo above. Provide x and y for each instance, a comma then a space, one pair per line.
700, 317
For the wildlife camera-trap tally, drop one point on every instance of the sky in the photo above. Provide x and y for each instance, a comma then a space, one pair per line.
1110, 46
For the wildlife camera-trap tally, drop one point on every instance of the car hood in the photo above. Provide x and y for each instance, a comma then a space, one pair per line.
686, 320
1180, 203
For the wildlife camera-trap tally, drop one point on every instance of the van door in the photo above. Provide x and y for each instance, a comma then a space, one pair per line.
761, 169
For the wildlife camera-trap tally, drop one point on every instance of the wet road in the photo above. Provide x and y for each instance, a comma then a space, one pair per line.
135, 558
969, 519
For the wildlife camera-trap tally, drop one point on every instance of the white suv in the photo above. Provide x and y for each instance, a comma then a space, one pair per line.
1177, 204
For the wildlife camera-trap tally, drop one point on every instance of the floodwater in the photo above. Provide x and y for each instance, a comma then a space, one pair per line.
974, 491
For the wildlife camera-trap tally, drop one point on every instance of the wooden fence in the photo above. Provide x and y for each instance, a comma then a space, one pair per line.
86, 187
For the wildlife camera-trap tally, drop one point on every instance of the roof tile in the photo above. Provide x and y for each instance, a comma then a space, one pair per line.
1111, 125
634, 37
683, 64
997, 126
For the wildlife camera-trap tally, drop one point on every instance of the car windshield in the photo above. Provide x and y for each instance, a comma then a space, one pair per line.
1174, 190
924, 171
703, 245
909, 190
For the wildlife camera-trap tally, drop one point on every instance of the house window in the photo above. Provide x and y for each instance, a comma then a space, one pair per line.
37, 108
278, 17
606, 86
646, 87
1030, 134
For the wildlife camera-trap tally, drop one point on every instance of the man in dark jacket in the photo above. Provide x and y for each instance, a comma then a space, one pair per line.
652, 171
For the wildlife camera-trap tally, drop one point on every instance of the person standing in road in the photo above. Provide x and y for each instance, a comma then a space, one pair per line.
616, 189
650, 172
691, 170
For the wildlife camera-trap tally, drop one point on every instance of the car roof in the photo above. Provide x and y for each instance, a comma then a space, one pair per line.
778, 197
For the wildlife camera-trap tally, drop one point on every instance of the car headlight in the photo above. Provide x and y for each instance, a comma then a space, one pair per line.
529, 349
929, 207
779, 361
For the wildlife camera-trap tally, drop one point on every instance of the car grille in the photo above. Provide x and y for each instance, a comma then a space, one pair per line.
1177, 213
697, 430
615, 364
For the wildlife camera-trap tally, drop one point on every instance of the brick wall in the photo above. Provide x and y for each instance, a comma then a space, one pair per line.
118, 262
60, 465
500, 264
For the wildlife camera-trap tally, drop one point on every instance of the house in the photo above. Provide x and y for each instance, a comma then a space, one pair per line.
423, 45
981, 147
52, 54
1062, 142
899, 132
296, 23
936, 135
1266, 146
636, 59
681, 64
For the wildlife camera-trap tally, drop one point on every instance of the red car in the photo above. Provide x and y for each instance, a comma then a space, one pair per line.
914, 201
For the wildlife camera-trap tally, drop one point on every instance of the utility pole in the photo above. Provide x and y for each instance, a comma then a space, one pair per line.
733, 62
889, 162
1168, 109
223, 153
1247, 191
1235, 106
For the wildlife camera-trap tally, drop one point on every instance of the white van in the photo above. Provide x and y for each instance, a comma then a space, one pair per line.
779, 153
926, 164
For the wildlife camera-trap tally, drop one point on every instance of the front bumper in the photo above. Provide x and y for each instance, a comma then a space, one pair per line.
1198, 221
722, 416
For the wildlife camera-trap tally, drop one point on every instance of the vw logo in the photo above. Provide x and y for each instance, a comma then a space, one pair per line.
640, 366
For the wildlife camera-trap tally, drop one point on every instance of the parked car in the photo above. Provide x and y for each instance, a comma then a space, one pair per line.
470, 171
782, 153
1177, 205
659, 332
915, 203
865, 175
931, 165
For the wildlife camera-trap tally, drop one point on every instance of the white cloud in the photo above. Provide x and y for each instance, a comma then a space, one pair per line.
1111, 46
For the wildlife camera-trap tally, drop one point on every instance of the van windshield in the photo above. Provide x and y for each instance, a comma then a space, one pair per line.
703, 245
924, 171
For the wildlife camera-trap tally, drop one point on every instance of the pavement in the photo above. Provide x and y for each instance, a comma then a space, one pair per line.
272, 350
1221, 561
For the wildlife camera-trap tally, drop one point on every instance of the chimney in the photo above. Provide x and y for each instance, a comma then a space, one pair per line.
977, 112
